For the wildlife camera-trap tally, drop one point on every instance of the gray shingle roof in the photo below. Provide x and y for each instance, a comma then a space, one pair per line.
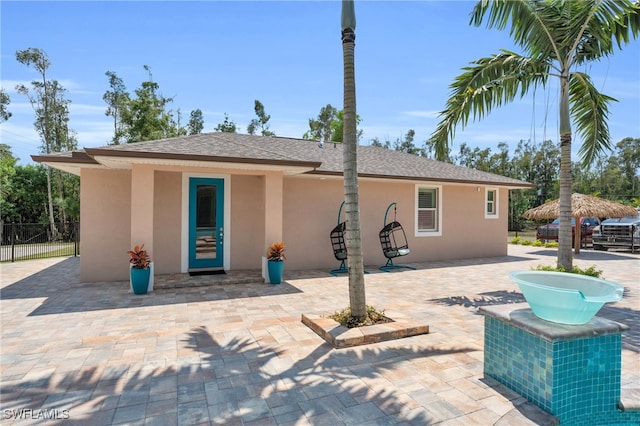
240, 148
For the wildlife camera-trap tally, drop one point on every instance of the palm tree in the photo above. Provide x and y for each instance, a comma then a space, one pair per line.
350, 161
556, 37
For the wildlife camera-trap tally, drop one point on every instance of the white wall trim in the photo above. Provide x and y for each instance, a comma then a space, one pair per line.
184, 233
496, 206
439, 209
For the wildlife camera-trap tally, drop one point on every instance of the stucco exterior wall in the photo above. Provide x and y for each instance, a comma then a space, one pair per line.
105, 225
247, 222
311, 210
167, 217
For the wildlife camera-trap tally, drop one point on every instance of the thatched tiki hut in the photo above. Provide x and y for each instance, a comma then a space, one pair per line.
581, 206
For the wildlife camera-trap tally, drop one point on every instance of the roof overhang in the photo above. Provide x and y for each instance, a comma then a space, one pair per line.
124, 160
417, 180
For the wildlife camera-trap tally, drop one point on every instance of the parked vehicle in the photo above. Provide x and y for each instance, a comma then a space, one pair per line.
549, 232
618, 233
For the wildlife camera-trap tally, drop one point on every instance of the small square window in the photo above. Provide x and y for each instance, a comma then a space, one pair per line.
428, 212
491, 203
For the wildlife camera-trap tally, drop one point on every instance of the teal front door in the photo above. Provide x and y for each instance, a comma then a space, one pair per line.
206, 223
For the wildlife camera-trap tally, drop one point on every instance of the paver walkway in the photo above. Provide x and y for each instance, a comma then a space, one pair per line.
239, 354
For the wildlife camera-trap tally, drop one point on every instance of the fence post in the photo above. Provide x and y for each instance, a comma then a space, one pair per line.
13, 241
75, 239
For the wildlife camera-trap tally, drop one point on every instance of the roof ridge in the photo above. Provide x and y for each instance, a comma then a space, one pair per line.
272, 152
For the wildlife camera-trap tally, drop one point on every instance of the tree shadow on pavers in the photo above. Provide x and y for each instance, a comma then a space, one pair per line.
485, 299
257, 382
224, 378
628, 317
527, 409
589, 255
93, 395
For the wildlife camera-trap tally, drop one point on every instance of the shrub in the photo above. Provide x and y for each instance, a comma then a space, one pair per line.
526, 243
516, 240
591, 271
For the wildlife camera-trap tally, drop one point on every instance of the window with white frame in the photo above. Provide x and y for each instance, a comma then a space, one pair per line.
428, 212
491, 203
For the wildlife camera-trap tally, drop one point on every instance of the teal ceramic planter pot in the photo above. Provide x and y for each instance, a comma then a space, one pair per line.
140, 280
276, 269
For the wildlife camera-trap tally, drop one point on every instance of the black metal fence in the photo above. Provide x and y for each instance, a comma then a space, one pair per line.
22, 241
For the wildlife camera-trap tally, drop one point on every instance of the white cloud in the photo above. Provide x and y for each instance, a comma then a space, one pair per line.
422, 113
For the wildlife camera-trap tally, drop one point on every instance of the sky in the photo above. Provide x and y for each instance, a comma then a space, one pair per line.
220, 56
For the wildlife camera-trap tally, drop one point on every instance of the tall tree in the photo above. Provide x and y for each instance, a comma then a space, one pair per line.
557, 37
261, 122
117, 99
196, 122
407, 146
51, 110
357, 298
227, 126
321, 128
629, 154
146, 116
4, 103
337, 127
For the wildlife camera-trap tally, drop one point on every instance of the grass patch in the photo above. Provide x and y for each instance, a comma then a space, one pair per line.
374, 316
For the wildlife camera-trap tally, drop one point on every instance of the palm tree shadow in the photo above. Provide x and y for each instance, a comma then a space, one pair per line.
488, 298
240, 379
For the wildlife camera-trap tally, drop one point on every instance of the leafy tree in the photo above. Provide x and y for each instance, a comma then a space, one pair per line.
406, 145
376, 142
146, 117
4, 103
557, 37
338, 127
117, 100
429, 150
629, 154
322, 128
196, 122
357, 299
7, 172
47, 98
261, 122
228, 126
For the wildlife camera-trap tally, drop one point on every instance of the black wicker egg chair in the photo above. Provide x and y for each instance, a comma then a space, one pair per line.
393, 241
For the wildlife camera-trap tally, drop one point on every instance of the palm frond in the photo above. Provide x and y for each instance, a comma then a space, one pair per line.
590, 110
487, 84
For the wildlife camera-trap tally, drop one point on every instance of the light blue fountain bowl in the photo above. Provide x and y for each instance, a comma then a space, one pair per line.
565, 298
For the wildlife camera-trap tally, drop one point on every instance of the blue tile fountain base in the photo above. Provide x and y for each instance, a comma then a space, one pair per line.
571, 371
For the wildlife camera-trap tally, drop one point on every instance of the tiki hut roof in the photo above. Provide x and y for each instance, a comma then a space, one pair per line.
581, 206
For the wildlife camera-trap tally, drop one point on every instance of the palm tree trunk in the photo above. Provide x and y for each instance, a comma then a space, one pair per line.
564, 232
350, 162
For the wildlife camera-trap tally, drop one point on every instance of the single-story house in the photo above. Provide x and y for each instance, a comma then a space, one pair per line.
218, 200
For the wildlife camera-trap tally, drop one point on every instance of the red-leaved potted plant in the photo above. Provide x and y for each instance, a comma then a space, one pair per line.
140, 269
276, 258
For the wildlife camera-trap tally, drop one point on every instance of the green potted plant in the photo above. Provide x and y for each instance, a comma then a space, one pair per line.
276, 258
140, 269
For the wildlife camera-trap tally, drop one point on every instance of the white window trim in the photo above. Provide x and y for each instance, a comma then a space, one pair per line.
496, 204
437, 233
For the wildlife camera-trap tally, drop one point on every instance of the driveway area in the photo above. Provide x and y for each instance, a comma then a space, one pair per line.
238, 354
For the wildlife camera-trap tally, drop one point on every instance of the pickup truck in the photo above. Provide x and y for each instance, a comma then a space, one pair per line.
549, 232
618, 233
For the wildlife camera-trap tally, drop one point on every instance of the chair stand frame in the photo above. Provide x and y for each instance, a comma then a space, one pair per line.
341, 270
389, 266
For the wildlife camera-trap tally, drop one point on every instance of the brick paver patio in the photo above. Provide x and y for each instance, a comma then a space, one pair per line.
239, 353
